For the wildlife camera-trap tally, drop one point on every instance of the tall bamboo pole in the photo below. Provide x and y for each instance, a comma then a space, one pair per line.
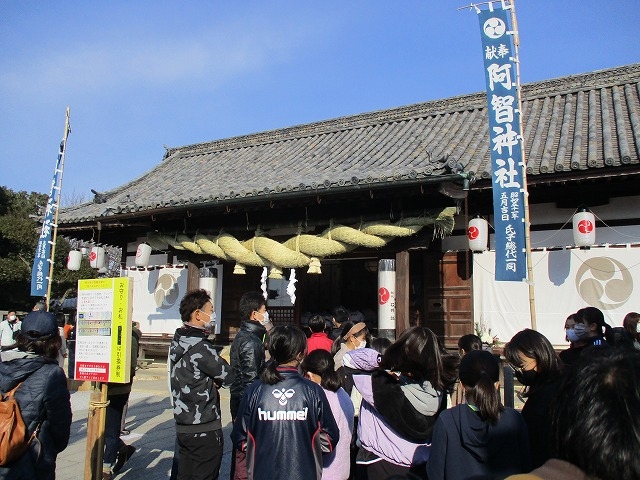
58, 187
527, 222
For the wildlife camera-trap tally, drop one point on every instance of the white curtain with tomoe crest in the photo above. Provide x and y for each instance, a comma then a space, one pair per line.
565, 280
156, 298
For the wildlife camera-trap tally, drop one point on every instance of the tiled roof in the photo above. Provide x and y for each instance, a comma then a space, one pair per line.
577, 123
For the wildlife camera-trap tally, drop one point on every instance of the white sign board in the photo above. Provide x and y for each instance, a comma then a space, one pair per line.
103, 330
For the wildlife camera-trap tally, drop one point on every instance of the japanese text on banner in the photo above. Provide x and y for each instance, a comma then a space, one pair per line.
506, 146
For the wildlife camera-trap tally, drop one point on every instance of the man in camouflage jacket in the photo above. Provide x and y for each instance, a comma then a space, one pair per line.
197, 372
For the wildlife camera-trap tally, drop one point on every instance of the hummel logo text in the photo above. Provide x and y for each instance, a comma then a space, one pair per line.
282, 414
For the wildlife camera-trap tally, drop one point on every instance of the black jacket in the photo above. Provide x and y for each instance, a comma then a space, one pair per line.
536, 415
197, 371
44, 399
246, 358
285, 428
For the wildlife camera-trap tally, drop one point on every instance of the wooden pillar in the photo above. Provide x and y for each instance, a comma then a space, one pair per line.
402, 292
95, 432
193, 280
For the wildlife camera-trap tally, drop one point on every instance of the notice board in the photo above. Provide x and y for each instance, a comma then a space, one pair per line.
103, 330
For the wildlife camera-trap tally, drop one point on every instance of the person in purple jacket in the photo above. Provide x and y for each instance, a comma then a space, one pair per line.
403, 392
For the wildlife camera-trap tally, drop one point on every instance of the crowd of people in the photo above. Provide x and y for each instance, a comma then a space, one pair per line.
330, 401
33, 352
409, 409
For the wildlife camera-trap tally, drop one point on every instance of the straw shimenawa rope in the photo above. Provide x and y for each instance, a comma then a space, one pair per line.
303, 249
210, 245
276, 253
241, 254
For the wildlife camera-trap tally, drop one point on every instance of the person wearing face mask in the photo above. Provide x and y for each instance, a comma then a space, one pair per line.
631, 324
575, 334
595, 325
7, 329
353, 337
539, 369
197, 372
247, 359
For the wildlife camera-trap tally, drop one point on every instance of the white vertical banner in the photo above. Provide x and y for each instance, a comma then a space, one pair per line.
387, 298
211, 281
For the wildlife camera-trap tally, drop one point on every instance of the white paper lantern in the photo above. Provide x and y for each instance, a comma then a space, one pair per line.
210, 284
96, 257
478, 234
584, 228
142, 255
74, 259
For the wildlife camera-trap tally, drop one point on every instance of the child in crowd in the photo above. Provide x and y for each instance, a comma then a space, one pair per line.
319, 368
284, 423
466, 344
318, 338
482, 438
538, 368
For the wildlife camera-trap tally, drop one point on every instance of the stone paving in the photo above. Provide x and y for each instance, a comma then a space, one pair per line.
152, 431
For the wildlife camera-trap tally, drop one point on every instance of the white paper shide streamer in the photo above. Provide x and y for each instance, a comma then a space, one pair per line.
263, 283
291, 286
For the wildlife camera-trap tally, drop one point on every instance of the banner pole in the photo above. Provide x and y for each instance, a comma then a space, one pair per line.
63, 148
527, 222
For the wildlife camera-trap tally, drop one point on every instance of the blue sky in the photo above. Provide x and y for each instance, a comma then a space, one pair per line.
138, 75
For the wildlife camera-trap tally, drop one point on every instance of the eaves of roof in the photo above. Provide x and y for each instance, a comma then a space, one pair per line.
577, 124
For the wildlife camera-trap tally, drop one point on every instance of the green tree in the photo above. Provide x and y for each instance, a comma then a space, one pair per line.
19, 233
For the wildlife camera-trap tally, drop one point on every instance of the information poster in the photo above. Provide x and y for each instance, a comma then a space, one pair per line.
103, 330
